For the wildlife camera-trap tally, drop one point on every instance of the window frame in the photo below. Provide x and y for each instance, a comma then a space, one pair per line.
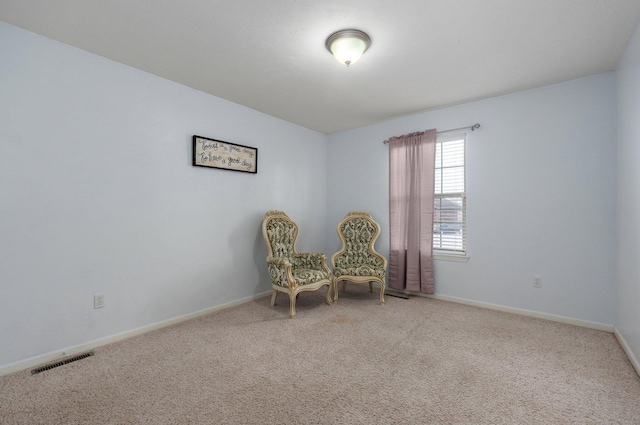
453, 254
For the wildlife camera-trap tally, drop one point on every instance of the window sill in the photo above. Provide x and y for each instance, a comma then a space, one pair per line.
450, 257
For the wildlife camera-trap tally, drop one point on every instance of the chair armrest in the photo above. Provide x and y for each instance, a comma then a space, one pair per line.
311, 260
280, 272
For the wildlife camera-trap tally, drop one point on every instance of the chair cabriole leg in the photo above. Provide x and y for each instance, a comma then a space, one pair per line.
292, 305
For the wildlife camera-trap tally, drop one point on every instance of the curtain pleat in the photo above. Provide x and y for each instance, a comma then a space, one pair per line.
411, 194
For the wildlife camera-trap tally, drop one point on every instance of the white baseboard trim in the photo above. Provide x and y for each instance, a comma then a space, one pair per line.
35, 361
552, 317
627, 350
523, 312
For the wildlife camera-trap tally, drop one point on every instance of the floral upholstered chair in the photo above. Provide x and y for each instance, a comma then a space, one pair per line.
358, 261
292, 272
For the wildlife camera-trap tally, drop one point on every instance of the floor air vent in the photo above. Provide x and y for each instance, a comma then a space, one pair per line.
397, 295
62, 362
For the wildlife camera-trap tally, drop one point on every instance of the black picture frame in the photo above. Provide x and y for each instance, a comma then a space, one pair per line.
213, 153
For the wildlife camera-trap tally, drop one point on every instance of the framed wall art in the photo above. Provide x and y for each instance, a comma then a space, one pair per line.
214, 153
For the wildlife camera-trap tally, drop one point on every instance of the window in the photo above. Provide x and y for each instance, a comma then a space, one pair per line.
449, 220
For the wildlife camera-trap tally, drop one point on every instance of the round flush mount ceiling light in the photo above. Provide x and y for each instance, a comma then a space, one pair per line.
348, 45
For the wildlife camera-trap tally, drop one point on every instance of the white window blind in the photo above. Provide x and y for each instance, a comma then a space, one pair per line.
449, 223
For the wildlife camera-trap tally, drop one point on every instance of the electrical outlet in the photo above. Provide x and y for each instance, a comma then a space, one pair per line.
537, 282
98, 300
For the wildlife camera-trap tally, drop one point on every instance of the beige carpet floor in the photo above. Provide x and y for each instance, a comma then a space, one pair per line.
416, 361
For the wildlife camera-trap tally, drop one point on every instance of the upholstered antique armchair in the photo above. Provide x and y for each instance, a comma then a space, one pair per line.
292, 272
358, 261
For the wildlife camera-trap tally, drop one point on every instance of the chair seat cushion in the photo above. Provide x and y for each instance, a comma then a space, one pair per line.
364, 270
307, 276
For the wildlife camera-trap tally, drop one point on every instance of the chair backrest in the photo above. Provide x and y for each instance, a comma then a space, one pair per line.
280, 233
358, 232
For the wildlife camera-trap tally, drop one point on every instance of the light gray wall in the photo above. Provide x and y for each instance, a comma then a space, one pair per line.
541, 198
628, 307
98, 195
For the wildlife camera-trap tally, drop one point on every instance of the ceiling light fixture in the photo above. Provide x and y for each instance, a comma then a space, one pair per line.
348, 45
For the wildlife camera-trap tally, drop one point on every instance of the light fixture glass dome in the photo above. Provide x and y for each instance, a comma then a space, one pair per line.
348, 45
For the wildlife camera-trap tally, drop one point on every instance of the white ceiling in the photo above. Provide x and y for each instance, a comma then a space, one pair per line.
270, 55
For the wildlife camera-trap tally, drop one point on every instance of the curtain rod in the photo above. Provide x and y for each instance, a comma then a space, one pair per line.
472, 127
